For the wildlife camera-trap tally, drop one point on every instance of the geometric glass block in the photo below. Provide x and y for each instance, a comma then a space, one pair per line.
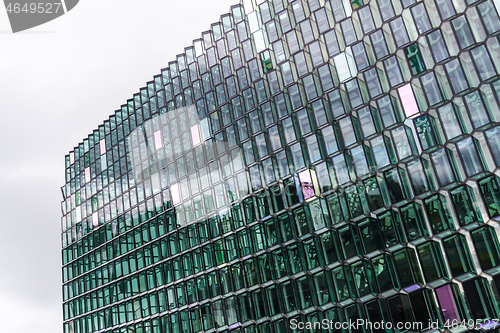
408, 100
415, 59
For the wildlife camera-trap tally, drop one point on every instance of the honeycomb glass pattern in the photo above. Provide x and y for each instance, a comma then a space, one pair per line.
303, 161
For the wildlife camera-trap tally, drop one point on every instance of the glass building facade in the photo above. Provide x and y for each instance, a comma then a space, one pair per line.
302, 161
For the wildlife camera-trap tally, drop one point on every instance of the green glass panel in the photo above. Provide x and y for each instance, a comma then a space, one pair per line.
263, 205
279, 264
480, 299
376, 311
295, 254
465, 205
397, 189
350, 241
237, 216
266, 61
335, 315
244, 243
353, 201
265, 267
277, 198
438, 212
432, 261
363, 278
370, 235
425, 132
354, 312
288, 295
407, 268
459, 257
87, 160
493, 137
220, 257
244, 307
322, 288
312, 253
486, 245
391, 228
490, 191
231, 247
418, 177
287, 226
356, 3
208, 254
415, 59
335, 208
203, 291
400, 310
343, 283
302, 221
384, 272
373, 194
271, 231
413, 219
329, 247
291, 192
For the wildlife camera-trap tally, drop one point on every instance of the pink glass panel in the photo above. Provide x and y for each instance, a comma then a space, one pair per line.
195, 134
447, 301
71, 158
95, 219
102, 146
158, 140
87, 174
408, 100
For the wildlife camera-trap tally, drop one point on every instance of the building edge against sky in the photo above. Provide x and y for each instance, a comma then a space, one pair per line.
302, 161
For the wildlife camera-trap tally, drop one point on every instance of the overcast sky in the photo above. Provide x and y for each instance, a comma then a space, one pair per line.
58, 82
